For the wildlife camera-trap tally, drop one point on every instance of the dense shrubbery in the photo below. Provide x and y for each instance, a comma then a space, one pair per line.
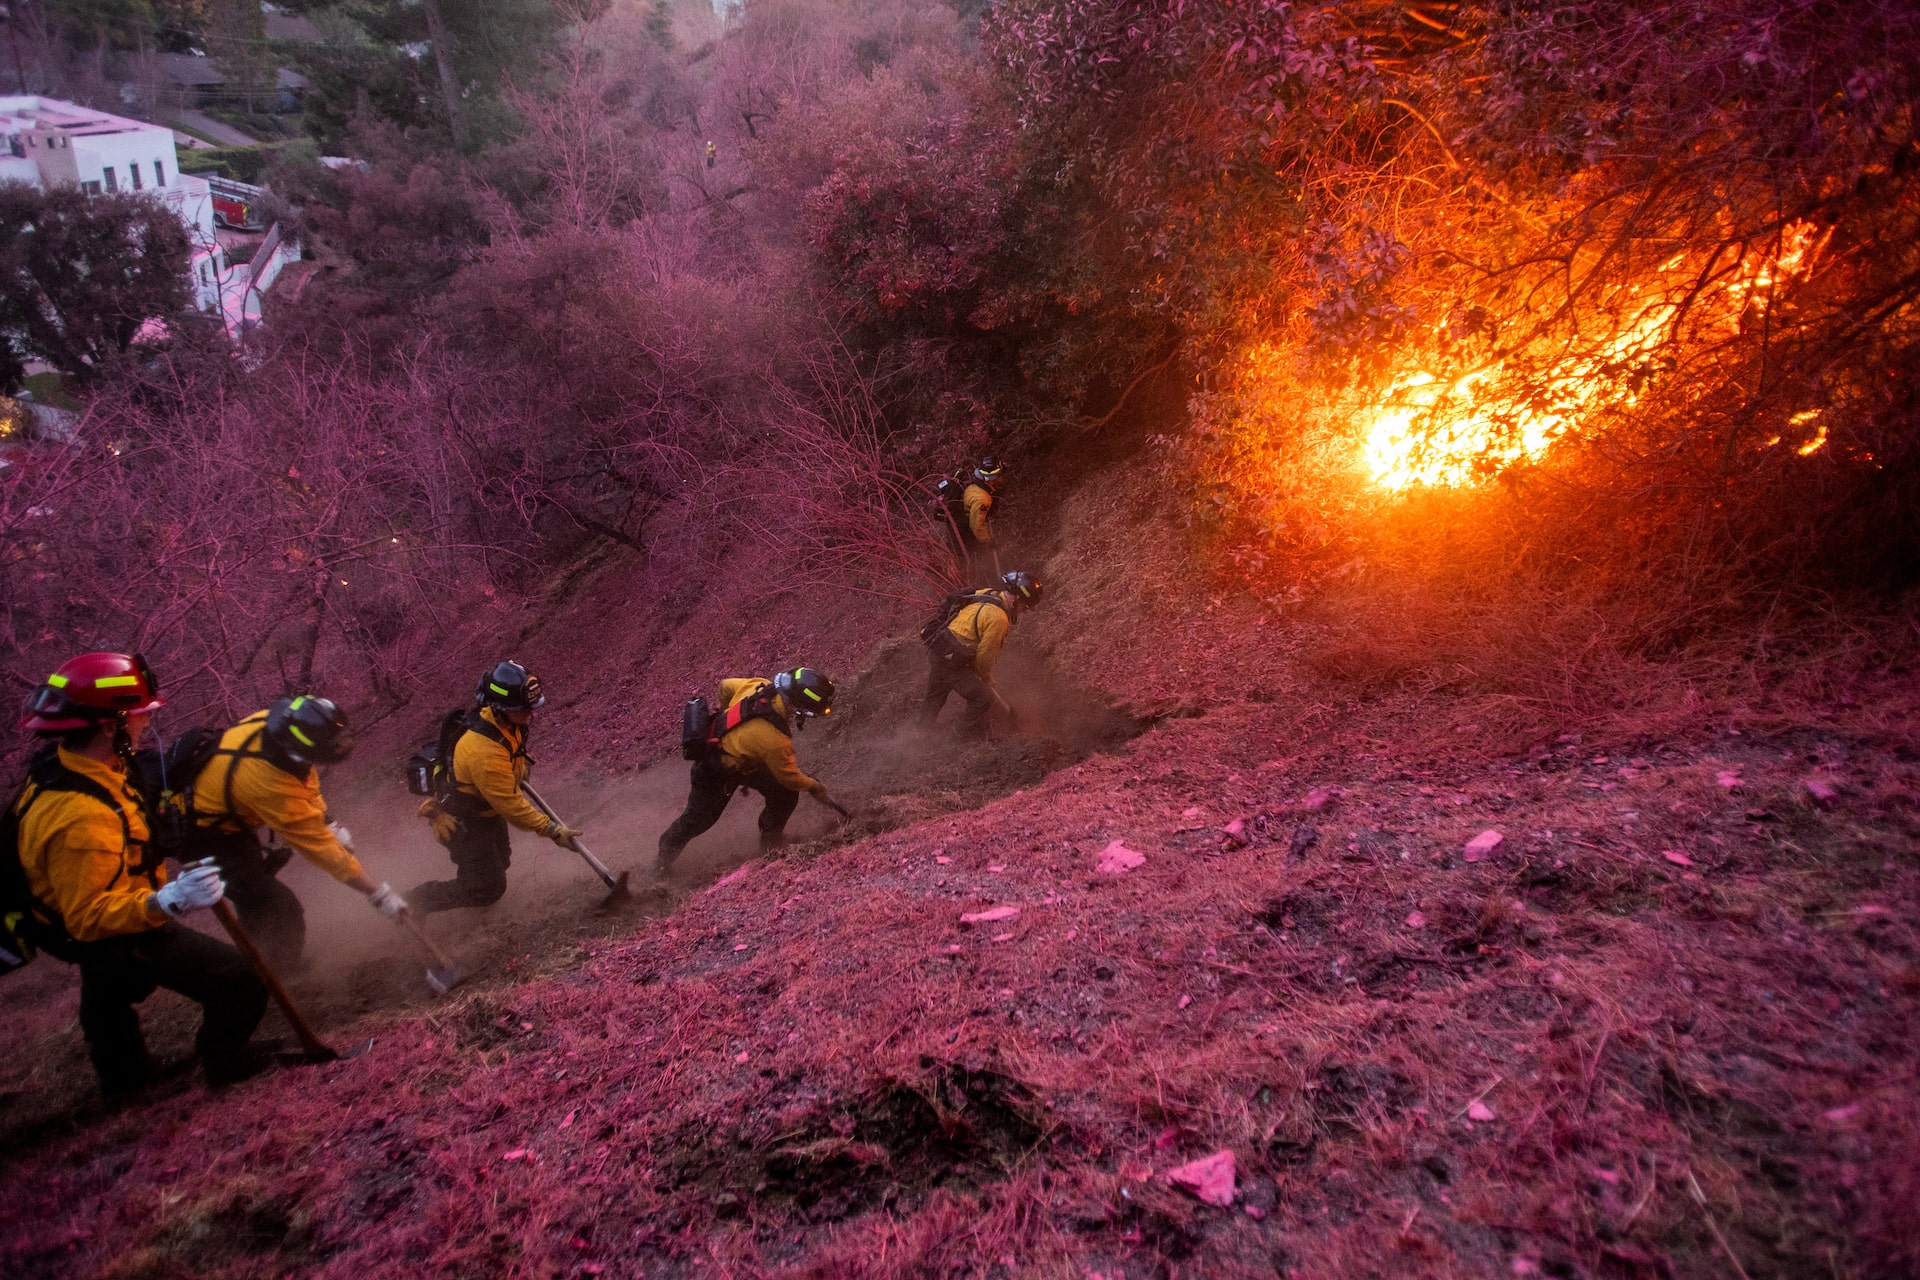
1649, 265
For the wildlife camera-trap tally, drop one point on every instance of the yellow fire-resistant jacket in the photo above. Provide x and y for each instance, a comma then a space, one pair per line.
241, 785
80, 861
984, 626
758, 744
979, 504
484, 768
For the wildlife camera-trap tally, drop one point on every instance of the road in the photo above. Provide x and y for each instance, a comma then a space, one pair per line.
207, 127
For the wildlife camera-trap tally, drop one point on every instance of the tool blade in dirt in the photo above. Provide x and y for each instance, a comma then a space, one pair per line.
618, 894
617, 891
312, 1048
323, 1053
445, 974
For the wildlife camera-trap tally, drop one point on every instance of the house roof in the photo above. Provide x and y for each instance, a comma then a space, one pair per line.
289, 26
190, 70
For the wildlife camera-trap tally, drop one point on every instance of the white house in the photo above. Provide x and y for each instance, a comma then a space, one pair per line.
45, 142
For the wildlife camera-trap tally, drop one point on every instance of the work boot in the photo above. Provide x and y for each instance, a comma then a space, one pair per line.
127, 1080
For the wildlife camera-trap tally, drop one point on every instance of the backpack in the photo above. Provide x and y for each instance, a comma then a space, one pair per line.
701, 728
25, 930
429, 770
942, 643
950, 500
164, 779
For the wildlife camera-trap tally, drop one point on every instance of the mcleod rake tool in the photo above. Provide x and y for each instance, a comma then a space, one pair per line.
446, 975
617, 891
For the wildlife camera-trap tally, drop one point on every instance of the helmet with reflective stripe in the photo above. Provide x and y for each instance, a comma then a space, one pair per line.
1025, 587
91, 689
309, 730
988, 472
807, 691
511, 687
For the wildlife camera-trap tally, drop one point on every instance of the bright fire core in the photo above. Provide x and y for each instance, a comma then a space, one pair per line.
1427, 430
1429, 433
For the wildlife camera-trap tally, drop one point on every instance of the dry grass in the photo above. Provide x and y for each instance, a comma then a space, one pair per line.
815, 1070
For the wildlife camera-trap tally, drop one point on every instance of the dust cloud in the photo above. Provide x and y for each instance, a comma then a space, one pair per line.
873, 753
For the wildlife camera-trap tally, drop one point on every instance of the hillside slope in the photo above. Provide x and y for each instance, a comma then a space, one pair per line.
1671, 1016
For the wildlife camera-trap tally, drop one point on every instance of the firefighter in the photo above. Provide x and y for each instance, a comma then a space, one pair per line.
961, 655
490, 762
101, 901
970, 526
263, 774
754, 749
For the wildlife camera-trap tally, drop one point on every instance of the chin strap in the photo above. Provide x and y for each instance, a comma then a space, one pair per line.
122, 740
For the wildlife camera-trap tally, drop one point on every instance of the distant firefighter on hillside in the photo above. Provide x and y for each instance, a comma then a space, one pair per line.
963, 645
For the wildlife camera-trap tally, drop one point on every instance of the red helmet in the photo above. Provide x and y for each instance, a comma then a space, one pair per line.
92, 689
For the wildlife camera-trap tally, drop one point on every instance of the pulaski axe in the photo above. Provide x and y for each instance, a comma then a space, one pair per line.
446, 975
617, 891
312, 1048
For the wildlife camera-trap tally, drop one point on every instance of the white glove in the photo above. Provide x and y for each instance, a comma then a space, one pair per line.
344, 836
387, 902
197, 887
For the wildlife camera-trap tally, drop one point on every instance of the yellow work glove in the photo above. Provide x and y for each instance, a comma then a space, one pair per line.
444, 823
562, 834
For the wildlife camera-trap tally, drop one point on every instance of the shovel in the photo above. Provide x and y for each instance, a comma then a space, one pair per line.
446, 975
312, 1048
617, 891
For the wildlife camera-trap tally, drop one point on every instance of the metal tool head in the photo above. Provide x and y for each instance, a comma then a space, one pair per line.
320, 1053
618, 894
445, 980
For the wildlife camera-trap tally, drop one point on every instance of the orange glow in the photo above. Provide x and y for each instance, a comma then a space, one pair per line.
1427, 429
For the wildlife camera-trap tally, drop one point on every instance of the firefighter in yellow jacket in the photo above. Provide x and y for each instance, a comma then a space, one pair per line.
753, 748
961, 655
490, 763
971, 527
100, 900
263, 775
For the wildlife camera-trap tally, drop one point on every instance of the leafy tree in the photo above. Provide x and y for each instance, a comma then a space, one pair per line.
80, 274
238, 38
119, 24
486, 48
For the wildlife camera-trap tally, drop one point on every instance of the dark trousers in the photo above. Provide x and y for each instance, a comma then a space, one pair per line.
118, 973
481, 852
713, 785
269, 911
943, 678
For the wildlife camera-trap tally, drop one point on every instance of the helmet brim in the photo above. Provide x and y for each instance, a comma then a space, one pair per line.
38, 722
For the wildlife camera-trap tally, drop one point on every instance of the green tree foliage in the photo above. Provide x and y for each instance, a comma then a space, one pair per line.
238, 35
117, 24
376, 61
80, 274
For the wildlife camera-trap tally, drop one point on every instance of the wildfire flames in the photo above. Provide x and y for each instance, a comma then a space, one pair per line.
1443, 431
